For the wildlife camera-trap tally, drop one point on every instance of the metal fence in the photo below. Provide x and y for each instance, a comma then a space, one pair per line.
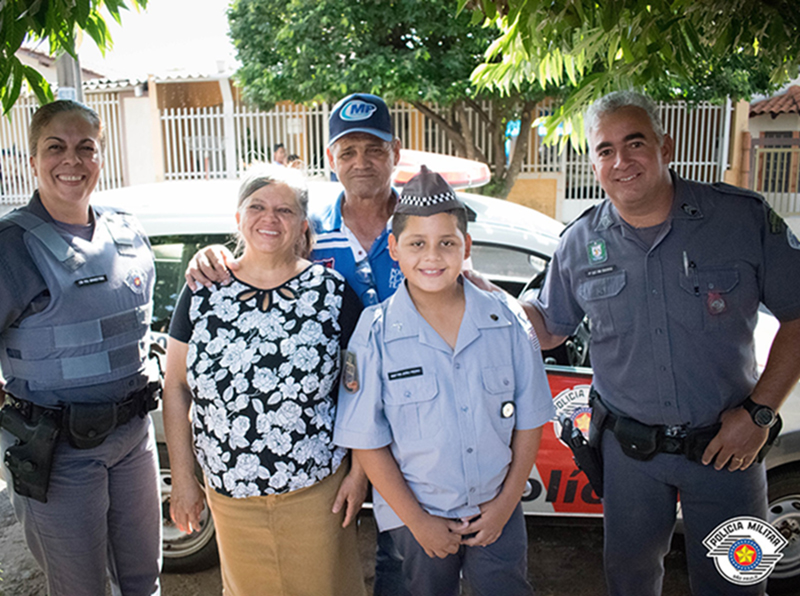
194, 138
701, 134
775, 173
17, 180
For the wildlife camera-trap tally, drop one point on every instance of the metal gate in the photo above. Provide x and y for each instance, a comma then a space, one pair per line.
775, 173
701, 134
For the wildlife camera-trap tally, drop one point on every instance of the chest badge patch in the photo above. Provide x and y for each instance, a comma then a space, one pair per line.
507, 409
350, 375
597, 252
135, 280
716, 303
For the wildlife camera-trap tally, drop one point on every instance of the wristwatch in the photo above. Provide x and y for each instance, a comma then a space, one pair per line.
762, 416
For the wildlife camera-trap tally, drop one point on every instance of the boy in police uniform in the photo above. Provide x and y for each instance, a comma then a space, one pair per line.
443, 400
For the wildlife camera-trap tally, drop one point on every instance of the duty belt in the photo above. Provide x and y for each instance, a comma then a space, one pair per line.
86, 425
643, 442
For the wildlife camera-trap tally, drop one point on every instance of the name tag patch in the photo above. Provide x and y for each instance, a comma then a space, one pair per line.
89, 281
405, 373
600, 270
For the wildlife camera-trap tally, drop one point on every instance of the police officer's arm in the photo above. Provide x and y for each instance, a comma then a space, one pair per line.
739, 439
496, 513
186, 499
436, 535
210, 265
547, 340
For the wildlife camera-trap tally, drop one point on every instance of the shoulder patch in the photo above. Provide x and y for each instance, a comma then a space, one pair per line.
350, 372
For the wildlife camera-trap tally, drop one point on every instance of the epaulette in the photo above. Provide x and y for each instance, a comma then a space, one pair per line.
6, 221
585, 213
371, 318
736, 190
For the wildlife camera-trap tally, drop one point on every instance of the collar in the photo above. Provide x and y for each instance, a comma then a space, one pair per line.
684, 206
37, 208
482, 311
331, 218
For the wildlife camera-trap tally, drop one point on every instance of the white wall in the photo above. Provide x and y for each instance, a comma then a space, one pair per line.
766, 123
141, 167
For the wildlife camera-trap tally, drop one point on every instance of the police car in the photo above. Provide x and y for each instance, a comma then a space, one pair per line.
511, 246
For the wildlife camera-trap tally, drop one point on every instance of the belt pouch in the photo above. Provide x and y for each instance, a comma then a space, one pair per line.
637, 440
31, 459
88, 425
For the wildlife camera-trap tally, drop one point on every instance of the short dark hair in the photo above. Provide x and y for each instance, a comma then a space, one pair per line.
400, 220
45, 114
277, 146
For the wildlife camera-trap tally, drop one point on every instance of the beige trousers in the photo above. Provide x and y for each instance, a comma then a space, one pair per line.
287, 545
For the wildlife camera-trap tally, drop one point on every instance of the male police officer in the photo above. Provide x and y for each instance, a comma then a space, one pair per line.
671, 274
351, 234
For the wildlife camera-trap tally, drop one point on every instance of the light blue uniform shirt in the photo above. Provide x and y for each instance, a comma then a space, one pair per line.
448, 415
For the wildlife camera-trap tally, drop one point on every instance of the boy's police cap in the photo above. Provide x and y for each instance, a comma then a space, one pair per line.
360, 112
426, 194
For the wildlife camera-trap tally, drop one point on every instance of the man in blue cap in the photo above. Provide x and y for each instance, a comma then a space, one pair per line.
352, 233
352, 236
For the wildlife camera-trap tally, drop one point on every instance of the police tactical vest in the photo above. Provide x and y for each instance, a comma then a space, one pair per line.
95, 327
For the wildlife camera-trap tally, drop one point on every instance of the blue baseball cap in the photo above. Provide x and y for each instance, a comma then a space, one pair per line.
360, 112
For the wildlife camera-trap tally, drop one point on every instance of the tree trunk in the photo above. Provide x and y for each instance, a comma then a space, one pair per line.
454, 134
520, 149
466, 130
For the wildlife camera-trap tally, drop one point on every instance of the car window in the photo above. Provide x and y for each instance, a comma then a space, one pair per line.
172, 254
510, 268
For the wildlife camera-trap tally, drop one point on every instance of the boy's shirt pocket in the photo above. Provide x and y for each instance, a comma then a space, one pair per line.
412, 406
499, 389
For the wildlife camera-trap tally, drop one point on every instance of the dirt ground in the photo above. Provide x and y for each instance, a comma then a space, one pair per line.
565, 559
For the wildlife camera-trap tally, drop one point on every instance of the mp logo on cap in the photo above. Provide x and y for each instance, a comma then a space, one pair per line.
357, 110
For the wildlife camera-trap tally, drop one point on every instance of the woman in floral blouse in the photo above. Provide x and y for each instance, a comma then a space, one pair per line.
252, 373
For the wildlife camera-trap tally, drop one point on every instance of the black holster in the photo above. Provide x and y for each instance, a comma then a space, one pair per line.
31, 458
588, 459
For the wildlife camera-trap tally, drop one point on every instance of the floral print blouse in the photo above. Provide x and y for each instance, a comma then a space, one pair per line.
263, 368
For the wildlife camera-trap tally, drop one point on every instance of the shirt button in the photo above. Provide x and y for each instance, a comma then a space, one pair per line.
407, 394
655, 292
469, 450
668, 403
506, 382
663, 369
472, 490
658, 331
465, 409
458, 366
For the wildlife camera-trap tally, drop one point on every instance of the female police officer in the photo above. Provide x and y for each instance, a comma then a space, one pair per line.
75, 302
